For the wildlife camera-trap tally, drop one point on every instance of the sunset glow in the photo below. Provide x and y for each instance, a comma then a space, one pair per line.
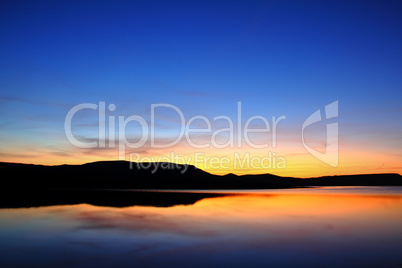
261, 69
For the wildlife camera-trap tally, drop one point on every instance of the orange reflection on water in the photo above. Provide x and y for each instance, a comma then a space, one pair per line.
279, 229
264, 213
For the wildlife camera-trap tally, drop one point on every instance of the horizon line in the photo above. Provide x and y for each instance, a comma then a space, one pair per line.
229, 173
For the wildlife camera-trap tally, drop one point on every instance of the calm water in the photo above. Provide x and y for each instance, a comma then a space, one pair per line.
325, 227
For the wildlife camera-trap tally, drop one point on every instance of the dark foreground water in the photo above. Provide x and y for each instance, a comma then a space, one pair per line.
326, 227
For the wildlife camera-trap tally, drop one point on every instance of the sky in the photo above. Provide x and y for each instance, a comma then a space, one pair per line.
143, 75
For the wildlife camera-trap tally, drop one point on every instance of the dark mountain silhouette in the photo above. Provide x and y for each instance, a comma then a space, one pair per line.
128, 175
122, 184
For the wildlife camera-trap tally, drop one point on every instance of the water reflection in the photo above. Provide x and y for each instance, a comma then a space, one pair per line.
277, 229
110, 198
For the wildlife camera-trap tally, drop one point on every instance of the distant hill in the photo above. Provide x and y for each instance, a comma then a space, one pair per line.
128, 175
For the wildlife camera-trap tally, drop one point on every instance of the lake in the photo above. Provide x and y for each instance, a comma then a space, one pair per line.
312, 227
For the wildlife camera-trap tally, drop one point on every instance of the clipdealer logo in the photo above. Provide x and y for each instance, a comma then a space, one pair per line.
331, 154
112, 133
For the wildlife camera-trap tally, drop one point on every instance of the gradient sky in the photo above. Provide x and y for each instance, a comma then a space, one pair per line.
277, 58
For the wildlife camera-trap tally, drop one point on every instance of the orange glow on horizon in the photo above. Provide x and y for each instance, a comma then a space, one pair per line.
295, 162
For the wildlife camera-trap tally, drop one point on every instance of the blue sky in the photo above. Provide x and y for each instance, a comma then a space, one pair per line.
276, 57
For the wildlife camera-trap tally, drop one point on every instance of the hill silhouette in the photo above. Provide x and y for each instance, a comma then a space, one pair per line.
123, 184
129, 175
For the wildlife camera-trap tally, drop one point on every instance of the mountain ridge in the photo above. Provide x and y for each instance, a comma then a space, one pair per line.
165, 175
